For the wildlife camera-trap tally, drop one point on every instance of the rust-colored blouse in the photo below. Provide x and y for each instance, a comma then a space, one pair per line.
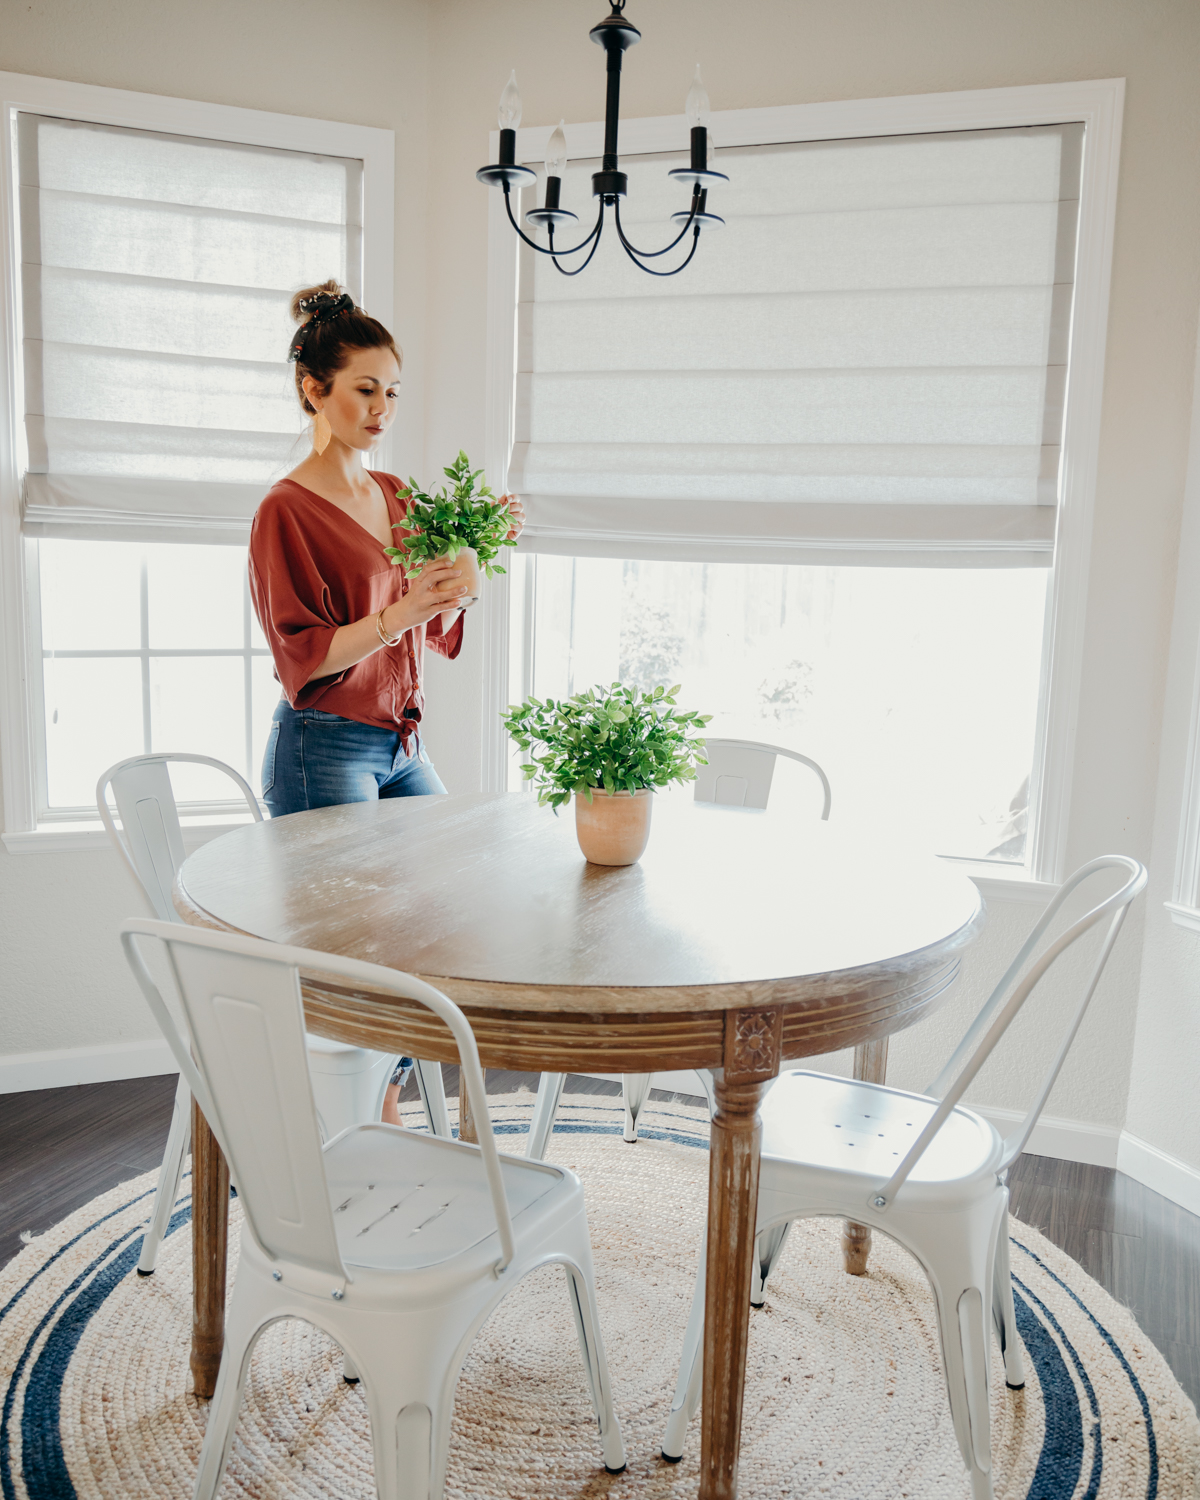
312, 569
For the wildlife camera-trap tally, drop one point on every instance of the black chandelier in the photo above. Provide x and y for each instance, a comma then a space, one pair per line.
615, 34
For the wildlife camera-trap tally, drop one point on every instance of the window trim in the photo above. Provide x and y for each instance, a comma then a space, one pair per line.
1099, 104
19, 92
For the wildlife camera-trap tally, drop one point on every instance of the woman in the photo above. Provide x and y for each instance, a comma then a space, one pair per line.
347, 631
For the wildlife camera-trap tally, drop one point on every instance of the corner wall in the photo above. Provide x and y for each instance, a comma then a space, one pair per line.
1164, 1102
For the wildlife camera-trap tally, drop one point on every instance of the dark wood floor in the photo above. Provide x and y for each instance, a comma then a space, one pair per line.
61, 1147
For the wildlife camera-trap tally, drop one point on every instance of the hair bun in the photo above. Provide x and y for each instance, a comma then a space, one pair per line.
318, 305
306, 301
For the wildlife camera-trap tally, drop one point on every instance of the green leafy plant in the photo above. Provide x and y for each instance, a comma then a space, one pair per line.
443, 524
619, 738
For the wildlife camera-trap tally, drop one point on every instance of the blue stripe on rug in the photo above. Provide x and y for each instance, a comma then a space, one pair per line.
49, 1261
1151, 1442
43, 1464
7, 1488
1063, 1391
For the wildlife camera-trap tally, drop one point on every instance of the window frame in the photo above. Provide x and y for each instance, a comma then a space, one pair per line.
21, 730
1098, 104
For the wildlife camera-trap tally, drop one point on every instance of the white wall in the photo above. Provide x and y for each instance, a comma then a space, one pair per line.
433, 73
1164, 1102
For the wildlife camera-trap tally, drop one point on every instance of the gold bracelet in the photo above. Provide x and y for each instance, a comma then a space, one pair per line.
382, 633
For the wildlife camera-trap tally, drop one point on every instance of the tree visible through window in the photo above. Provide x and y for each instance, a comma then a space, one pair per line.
916, 689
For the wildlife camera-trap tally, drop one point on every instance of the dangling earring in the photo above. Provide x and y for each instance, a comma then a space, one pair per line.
322, 432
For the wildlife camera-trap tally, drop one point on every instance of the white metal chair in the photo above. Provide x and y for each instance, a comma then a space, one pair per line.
397, 1245
738, 774
349, 1082
926, 1171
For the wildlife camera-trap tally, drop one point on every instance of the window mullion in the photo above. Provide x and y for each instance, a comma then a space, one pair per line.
144, 600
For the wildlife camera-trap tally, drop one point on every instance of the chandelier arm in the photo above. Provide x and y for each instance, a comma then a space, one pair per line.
649, 270
651, 254
554, 257
541, 249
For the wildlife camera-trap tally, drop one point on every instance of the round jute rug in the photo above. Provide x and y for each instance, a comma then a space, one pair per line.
844, 1392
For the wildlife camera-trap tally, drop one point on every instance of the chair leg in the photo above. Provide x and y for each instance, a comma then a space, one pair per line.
582, 1292
870, 1066
243, 1325
1003, 1314
179, 1139
959, 1264
549, 1093
410, 1408
691, 1374
433, 1096
635, 1088
767, 1249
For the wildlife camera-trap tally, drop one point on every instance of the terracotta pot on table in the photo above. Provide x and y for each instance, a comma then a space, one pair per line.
614, 827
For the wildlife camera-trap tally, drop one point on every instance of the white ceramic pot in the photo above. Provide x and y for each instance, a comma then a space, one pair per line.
614, 827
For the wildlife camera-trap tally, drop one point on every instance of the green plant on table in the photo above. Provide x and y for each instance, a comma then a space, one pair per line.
442, 524
617, 738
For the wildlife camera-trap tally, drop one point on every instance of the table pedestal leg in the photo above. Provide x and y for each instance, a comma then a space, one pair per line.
466, 1120
870, 1065
752, 1047
210, 1239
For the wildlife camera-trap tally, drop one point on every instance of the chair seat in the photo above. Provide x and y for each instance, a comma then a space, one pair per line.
865, 1129
402, 1201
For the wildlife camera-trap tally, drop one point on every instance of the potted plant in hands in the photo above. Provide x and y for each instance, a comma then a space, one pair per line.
467, 527
609, 748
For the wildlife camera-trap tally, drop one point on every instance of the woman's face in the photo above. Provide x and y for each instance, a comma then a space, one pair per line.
362, 400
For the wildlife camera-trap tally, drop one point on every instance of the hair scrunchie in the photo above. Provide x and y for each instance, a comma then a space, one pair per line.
320, 308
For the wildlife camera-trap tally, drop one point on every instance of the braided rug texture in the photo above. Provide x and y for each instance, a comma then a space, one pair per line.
844, 1388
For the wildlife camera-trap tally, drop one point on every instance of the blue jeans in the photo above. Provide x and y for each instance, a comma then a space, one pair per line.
315, 759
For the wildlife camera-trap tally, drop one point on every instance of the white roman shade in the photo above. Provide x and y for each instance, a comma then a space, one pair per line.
156, 273
867, 365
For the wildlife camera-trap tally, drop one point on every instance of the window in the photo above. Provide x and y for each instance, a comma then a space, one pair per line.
927, 733
147, 647
834, 478
156, 261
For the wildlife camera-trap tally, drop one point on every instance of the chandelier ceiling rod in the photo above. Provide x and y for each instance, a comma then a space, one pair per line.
616, 35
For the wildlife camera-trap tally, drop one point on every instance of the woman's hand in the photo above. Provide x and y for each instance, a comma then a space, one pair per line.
517, 511
435, 588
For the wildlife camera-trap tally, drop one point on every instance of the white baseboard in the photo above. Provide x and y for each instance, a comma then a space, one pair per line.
22, 1071
1069, 1140
1158, 1170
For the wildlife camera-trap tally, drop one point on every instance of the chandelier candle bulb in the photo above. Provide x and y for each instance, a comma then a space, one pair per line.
510, 104
696, 105
509, 119
556, 165
505, 173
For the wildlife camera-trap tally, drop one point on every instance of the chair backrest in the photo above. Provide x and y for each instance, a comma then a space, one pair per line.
152, 845
739, 772
244, 1059
997, 1013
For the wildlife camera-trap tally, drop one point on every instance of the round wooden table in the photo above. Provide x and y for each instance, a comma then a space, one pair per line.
740, 940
